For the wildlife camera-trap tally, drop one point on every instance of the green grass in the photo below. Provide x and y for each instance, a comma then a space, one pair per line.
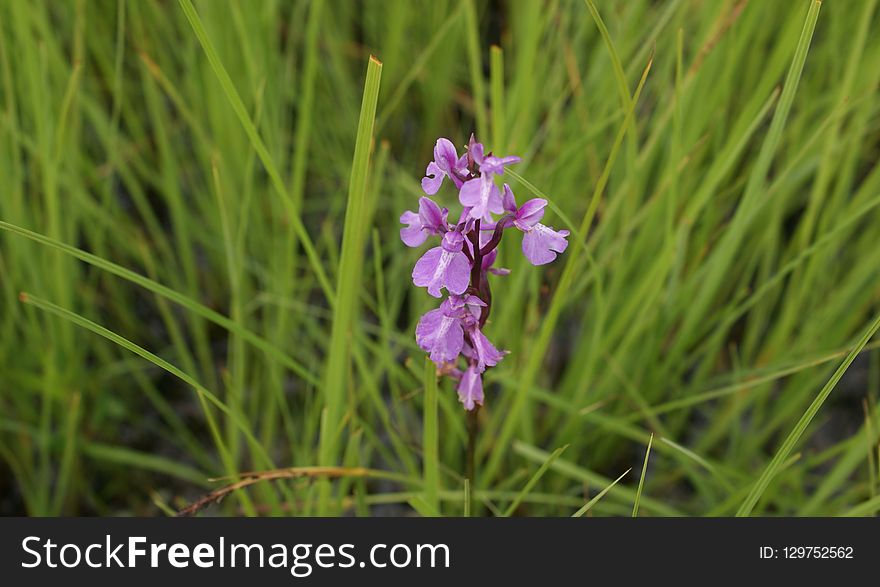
200, 272
431, 439
635, 512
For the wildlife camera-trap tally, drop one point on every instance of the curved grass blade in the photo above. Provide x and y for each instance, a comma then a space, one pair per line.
619, 75
127, 457
578, 473
357, 214
866, 508
533, 481
795, 435
167, 292
600, 495
642, 478
241, 112
156, 360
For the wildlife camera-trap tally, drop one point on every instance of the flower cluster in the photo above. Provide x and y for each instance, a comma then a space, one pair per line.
466, 256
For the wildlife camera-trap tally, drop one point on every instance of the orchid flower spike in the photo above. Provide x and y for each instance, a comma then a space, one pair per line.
453, 333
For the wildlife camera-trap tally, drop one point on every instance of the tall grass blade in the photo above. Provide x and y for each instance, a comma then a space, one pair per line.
635, 513
335, 381
791, 440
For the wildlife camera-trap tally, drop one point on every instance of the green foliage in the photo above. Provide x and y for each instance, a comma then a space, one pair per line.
201, 202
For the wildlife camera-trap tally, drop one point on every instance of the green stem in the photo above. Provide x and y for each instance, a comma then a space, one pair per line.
473, 426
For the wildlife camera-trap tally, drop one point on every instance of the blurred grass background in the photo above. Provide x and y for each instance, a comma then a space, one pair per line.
200, 204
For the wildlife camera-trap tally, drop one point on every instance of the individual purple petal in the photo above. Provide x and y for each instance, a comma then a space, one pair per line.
440, 335
481, 195
475, 150
470, 389
530, 214
445, 156
433, 218
446, 163
484, 351
438, 269
458, 273
508, 202
423, 273
472, 300
495, 165
433, 179
510, 160
412, 235
496, 206
471, 196
541, 243
444, 266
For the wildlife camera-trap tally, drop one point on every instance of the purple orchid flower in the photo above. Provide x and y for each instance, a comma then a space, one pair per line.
444, 266
440, 332
468, 306
540, 243
446, 163
430, 220
481, 350
466, 256
489, 163
440, 335
481, 194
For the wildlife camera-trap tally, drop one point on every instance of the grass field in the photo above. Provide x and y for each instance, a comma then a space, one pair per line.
201, 274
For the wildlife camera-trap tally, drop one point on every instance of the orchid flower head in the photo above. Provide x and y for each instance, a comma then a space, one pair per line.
453, 333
